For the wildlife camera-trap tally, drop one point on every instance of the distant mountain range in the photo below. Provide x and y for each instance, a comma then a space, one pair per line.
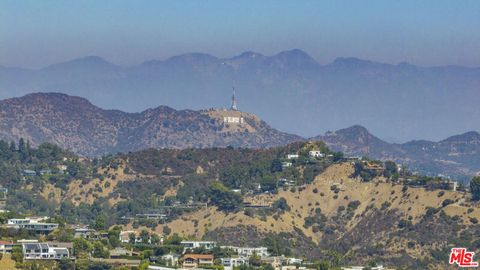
457, 156
289, 90
74, 123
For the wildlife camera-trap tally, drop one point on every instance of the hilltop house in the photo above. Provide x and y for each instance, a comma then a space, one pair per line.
196, 260
198, 244
316, 154
84, 232
45, 171
29, 173
248, 251
230, 263
43, 251
171, 259
6, 247
32, 224
124, 237
286, 164
118, 252
292, 156
283, 182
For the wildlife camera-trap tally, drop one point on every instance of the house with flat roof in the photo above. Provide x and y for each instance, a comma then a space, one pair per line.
230, 263
6, 247
248, 251
32, 224
43, 251
198, 244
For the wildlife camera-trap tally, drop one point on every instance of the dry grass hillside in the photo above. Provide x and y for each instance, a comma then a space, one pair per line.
357, 214
81, 192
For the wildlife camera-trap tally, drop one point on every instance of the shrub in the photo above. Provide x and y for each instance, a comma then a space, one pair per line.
281, 204
447, 202
475, 188
385, 205
404, 224
315, 190
167, 230
353, 205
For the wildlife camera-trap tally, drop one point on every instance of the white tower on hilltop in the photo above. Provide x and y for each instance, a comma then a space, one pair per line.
234, 101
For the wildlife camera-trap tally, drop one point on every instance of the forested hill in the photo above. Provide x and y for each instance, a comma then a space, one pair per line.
74, 123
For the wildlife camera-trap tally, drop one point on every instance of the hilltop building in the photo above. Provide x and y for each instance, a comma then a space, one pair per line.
198, 244
43, 251
32, 224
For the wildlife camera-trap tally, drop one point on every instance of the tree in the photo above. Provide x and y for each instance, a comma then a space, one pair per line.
224, 199
131, 238
390, 168
145, 236
100, 223
81, 245
65, 264
337, 156
268, 183
254, 260
22, 148
99, 250
155, 239
276, 165
475, 188
17, 254
323, 265
281, 204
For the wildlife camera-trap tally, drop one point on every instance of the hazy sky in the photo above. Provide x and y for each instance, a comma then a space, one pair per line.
37, 33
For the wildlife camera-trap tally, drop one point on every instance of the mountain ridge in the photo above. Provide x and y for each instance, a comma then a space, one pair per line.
75, 123
457, 156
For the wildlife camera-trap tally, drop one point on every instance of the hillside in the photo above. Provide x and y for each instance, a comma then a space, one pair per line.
289, 90
362, 221
235, 196
457, 156
74, 123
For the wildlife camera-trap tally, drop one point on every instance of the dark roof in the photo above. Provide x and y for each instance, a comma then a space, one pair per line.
31, 246
61, 251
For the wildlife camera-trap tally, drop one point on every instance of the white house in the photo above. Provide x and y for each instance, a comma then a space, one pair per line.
84, 232
230, 263
124, 236
171, 259
198, 244
292, 156
286, 164
32, 224
249, 251
42, 251
291, 261
316, 154
6, 247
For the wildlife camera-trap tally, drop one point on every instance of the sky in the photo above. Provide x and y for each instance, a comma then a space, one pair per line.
34, 34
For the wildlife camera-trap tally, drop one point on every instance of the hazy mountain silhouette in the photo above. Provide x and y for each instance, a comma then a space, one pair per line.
457, 156
290, 90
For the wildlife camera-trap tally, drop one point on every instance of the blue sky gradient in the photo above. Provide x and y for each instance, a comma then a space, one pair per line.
38, 33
